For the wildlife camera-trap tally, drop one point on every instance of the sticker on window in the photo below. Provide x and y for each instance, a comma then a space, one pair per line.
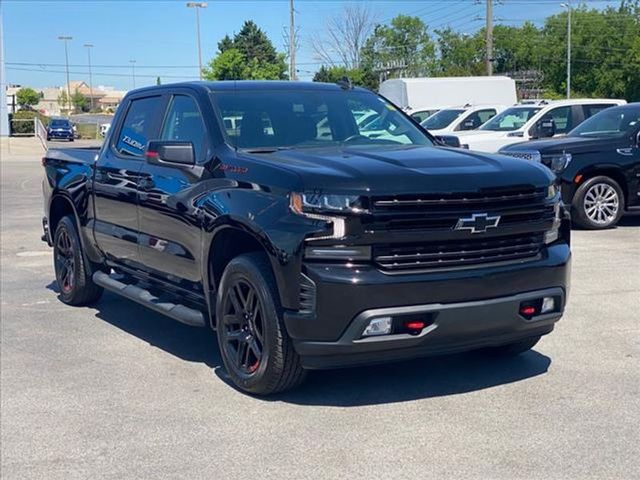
131, 142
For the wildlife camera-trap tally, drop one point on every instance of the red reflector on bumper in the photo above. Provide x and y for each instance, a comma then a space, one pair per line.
414, 325
528, 311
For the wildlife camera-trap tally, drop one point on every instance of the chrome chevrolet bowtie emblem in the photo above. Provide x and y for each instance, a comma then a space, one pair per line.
477, 223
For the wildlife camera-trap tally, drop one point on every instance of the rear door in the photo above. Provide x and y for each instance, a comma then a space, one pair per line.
117, 175
170, 227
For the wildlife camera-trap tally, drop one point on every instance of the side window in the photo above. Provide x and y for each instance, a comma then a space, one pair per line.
476, 119
591, 110
184, 123
138, 126
562, 118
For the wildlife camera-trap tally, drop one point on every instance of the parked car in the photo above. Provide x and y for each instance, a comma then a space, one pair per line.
60, 129
597, 163
533, 120
460, 119
422, 97
306, 251
104, 129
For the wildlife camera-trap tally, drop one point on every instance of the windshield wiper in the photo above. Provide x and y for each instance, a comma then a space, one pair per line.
266, 149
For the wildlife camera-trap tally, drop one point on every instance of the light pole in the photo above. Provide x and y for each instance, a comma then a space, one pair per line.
198, 6
65, 39
89, 46
133, 72
568, 7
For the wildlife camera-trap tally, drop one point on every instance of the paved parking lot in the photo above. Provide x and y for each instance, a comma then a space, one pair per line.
117, 391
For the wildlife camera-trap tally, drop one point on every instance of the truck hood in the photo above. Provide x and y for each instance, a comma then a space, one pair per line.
571, 145
406, 169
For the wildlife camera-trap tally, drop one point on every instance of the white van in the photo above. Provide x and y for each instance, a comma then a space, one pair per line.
421, 97
530, 120
460, 119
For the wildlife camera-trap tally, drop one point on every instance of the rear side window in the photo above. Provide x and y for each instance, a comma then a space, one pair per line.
184, 123
591, 110
138, 126
476, 119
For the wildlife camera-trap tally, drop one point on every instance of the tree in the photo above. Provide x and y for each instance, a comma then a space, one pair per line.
63, 100
249, 55
27, 97
403, 48
79, 101
344, 36
459, 54
357, 76
605, 52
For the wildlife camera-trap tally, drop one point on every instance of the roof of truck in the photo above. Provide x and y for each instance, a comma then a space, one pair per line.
230, 85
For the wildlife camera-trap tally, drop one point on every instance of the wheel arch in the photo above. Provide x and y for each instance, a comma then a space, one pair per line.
226, 243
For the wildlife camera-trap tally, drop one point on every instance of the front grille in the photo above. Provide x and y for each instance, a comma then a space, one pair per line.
458, 254
518, 206
530, 155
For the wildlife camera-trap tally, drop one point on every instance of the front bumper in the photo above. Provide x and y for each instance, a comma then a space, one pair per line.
466, 309
60, 134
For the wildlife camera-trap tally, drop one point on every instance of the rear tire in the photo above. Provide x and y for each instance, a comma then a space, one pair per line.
598, 203
513, 349
255, 347
73, 273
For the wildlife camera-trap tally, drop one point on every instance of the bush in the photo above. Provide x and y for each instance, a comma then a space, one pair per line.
21, 127
87, 130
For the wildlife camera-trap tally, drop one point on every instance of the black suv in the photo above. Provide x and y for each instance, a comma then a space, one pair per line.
597, 163
263, 210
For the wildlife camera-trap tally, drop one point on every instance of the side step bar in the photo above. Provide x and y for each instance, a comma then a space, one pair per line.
178, 312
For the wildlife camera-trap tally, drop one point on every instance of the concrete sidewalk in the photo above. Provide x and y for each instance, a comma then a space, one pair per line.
13, 147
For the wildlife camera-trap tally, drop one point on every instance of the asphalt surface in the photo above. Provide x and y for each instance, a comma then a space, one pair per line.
117, 391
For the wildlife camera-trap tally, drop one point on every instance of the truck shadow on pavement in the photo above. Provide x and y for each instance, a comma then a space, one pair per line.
389, 383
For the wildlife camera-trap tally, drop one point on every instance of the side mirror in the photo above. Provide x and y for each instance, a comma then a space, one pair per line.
448, 140
546, 128
170, 152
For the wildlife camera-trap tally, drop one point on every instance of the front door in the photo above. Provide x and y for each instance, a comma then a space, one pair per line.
117, 176
170, 227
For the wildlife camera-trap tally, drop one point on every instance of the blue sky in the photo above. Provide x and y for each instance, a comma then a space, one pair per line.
160, 35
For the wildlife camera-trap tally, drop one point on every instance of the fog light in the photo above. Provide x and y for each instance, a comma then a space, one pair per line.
548, 305
378, 326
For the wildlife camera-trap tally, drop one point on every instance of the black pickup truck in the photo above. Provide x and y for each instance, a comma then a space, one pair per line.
597, 163
261, 210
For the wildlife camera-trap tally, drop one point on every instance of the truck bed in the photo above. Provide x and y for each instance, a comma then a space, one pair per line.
74, 155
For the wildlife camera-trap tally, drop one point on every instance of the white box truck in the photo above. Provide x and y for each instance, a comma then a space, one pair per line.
422, 97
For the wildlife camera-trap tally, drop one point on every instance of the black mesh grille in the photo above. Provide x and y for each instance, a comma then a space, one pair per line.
458, 254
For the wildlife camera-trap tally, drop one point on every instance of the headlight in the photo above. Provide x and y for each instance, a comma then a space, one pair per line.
560, 162
553, 234
552, 191
303, 203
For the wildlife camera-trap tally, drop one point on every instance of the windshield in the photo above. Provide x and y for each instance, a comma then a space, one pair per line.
511, 119
442, 119
612, 122
274, 119
59, 123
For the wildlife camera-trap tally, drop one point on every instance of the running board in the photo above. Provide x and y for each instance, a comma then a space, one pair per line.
178, 312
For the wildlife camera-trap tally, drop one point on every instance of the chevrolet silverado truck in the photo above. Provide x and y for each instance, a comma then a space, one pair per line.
597, 164
303, 242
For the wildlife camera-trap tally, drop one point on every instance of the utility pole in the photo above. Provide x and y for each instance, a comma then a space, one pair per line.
89, 46
133, 72
198, 6
489, 38
568, 7
65, 39
292, 42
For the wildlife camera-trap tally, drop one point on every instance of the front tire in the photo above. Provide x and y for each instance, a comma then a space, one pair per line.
598, 203
74, 279
255, 347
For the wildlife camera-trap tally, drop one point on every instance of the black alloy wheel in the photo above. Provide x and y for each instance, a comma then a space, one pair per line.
244, 326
